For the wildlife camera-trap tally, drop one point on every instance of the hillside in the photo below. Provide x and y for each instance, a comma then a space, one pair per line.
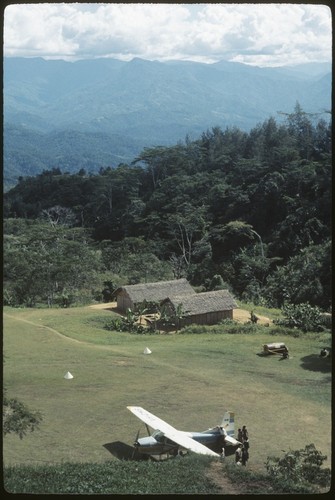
102, 112
246, 211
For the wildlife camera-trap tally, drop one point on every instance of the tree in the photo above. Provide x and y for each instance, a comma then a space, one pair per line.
301, 129
187, 227
178, 266
251, 270
322, 140
45, 261
17, 418
134, 260
267, 206
228, 238
108, 292
305, 278
59, 215
157, 161
217, 283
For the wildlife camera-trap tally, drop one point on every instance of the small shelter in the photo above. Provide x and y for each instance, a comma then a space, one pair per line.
131, 295
206, 308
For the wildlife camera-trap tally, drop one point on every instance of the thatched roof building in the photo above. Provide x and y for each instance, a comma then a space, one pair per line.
205, 308
130, 295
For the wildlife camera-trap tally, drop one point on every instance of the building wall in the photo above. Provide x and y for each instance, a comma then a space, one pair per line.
210, 318
124, 302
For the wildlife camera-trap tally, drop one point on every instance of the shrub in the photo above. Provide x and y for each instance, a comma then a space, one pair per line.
125, 325
300, 466
224, 326
116, 325
302, 316
123, 477
280, 331
17, 418
65, 299
9, 298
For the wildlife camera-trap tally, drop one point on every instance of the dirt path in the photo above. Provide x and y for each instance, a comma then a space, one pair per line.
42, 326
105, 305
220, 478
64, 337
243, 316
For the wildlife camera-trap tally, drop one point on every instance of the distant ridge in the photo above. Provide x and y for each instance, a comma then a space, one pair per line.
112, 109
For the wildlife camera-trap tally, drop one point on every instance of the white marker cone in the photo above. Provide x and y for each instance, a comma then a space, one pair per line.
68, 376
147, 351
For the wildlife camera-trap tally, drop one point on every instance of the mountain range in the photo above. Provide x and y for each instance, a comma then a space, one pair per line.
102, 112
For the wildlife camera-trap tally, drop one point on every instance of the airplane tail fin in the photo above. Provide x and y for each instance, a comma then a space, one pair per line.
228, 423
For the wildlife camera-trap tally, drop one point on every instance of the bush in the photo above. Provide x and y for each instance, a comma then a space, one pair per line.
124, 477
302, 316
9, 298
225, 326
65, 299
300, 466
115, 325
17, 418
127, 324
280, 331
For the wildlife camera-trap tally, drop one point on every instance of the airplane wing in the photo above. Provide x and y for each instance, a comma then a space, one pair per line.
170, 432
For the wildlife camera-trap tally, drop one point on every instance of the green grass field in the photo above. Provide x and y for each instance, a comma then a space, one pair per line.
189, 380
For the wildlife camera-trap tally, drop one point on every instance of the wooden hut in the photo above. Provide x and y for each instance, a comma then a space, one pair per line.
131, 295
207, 308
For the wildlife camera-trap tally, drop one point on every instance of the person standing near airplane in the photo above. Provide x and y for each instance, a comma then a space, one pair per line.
245, 456
238, 455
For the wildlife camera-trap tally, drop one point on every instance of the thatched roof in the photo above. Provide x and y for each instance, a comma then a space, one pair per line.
155, 292
202, 303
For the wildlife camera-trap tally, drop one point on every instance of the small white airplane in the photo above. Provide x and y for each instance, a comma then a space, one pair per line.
217, 441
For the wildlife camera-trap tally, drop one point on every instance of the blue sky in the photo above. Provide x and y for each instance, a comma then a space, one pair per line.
259, 34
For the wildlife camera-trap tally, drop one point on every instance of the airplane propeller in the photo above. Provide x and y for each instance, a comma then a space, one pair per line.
136, 439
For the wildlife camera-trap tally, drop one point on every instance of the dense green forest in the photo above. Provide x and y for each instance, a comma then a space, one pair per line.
248, 211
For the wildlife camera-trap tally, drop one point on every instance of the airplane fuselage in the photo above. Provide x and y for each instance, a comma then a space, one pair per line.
158, 443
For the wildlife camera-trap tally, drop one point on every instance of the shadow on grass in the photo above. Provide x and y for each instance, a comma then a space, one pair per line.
268, 355
123, 451
315, 363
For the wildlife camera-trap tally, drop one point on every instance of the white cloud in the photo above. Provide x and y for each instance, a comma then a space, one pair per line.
263, 34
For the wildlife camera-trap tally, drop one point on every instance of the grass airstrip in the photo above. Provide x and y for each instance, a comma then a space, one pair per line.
189, 380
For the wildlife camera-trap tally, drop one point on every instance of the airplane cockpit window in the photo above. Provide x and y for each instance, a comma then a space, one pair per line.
159, 436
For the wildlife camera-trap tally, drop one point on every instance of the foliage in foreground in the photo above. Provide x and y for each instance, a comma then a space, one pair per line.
299, 467
184, 475
297, 472
17, 418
